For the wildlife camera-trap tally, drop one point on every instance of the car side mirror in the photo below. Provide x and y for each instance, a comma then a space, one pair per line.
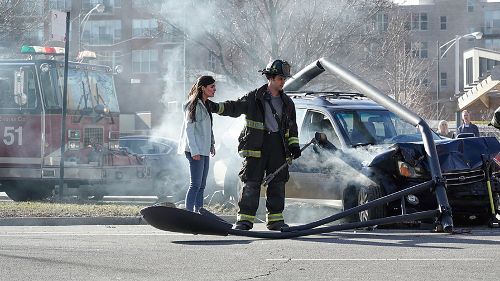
20, 98
320, 137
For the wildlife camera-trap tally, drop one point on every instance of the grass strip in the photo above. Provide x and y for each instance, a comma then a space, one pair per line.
90, 209
44, 209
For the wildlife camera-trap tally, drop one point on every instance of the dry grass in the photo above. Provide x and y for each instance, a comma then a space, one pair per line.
42, 209
74, 209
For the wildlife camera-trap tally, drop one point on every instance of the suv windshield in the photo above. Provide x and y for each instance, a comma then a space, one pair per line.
364, 127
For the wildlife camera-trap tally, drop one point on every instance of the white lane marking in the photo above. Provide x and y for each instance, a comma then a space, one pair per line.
389, 259
11, 234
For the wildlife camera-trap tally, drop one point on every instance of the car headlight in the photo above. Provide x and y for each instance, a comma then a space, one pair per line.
73, 145
114, 145
406, 170
496, 159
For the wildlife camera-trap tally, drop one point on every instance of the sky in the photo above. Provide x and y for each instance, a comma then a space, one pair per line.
416, 2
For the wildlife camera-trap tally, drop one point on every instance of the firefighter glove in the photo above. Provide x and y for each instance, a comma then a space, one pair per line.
295, 151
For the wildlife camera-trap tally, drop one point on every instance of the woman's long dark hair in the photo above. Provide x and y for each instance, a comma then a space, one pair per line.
196, 93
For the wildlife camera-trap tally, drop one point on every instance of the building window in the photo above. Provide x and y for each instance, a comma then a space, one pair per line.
145, 61
154, 5
87, 5
173, 65
493, 44
443, 22
470, 5
491, 22
29, 8
61, 5
420, 50
382, 22
419, 21
468, 71
34, 36
109, 58
102, 32
211, 61
424, 82
443, 79
144, 28
170, 33
485, 66
139, 3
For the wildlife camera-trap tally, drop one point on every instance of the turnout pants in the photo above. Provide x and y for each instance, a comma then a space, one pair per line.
252, 174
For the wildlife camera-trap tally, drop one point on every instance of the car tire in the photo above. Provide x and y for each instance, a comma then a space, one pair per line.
350, 200
232, 187
367, 194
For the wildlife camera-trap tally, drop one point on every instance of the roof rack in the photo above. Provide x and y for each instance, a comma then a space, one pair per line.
324, 94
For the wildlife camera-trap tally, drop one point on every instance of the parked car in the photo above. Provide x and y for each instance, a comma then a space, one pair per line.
169, 175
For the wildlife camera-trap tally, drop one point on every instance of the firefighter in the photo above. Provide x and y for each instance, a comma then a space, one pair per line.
268, 138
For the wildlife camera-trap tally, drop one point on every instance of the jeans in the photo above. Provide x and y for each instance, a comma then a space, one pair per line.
198, 181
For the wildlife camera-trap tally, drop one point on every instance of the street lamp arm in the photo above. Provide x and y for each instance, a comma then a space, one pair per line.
99, 8
477, 35
447, 49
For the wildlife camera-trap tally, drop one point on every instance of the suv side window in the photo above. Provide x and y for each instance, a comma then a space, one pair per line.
318, 122
299, 116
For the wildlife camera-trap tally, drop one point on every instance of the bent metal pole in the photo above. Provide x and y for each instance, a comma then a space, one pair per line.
405, 114
316, 68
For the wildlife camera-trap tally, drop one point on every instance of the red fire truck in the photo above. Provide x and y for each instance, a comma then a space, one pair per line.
30, 127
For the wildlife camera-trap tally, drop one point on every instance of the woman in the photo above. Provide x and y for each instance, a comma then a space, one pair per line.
443, 129
197, 139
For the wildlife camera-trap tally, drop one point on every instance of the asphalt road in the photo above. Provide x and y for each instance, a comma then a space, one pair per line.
144, 253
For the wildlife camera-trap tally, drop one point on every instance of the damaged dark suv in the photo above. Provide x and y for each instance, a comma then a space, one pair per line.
375, 153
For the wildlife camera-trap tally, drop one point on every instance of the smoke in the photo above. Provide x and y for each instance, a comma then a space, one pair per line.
233, 36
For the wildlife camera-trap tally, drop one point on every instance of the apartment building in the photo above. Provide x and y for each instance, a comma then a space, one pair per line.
437, 22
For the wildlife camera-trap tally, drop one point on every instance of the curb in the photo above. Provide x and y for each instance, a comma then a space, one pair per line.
65, 221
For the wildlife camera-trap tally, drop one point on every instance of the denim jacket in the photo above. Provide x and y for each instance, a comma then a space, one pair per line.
196, 137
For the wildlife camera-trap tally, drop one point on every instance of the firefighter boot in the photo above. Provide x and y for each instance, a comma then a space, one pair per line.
243, 225
276, 225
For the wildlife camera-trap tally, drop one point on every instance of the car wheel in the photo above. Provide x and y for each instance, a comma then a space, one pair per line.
232, 187
168, 187
17, 194
367, 194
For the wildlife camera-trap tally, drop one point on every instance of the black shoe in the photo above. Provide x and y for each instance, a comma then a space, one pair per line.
276, 225
243, 225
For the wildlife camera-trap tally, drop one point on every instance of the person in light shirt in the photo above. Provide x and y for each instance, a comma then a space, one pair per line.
467, 126
443, 129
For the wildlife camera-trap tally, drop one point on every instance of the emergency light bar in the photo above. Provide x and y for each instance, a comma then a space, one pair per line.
36, 50
86, 55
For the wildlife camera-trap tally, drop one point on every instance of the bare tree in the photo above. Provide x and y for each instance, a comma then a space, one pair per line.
404, 72
18, 18
243, 35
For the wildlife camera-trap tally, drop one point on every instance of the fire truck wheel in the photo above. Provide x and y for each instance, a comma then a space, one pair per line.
168, 187
24, 192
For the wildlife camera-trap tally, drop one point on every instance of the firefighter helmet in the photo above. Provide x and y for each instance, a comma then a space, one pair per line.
277, 67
